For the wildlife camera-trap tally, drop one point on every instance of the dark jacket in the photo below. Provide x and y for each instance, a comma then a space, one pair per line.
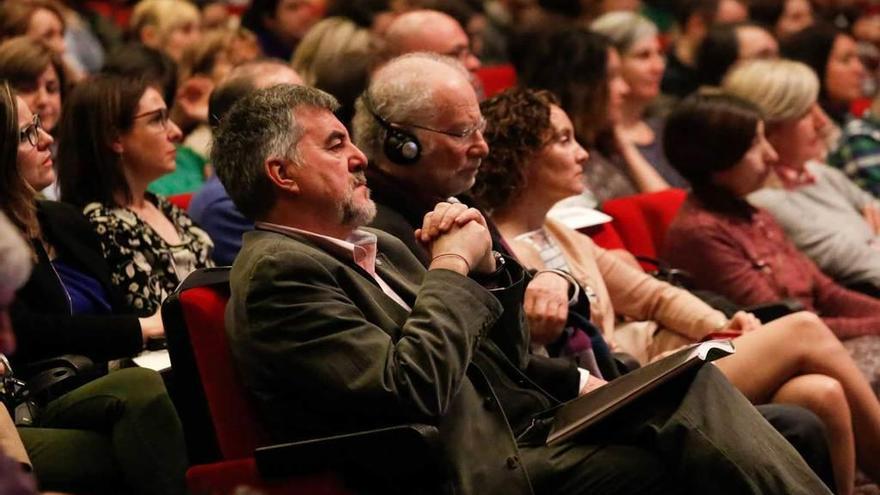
325, 351
400, 210
41, 313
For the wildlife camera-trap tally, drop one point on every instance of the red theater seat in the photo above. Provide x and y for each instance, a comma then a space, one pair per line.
641, 220
496, 78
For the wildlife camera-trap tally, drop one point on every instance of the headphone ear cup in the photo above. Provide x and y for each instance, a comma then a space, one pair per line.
401, 147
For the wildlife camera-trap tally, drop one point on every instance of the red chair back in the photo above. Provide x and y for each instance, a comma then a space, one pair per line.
181, 200
496, 78
642, 219
235, 421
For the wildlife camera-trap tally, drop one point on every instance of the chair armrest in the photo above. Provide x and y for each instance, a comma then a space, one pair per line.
411, 449
51, 378
770, 311
74, 362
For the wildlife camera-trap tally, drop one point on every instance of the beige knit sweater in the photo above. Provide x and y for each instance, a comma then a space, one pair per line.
637, 313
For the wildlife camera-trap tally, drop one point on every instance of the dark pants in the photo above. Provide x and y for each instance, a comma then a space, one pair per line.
117, 434
695, 437
806, 433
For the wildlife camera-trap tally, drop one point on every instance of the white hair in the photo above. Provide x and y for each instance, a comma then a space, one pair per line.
624, 29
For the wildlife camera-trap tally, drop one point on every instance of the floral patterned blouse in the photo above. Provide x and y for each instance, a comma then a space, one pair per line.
144, 267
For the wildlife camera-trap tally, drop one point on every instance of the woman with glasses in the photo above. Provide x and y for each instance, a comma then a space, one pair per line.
128, 438
70, 304
114, 140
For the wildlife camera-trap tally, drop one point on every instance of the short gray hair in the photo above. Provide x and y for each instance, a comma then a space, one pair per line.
16, 258
624, 29
782, 89
400, 93
261, 126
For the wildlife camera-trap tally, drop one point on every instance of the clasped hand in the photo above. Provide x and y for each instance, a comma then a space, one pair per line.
452, 231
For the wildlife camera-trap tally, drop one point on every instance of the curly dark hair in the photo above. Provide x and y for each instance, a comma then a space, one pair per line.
517, 127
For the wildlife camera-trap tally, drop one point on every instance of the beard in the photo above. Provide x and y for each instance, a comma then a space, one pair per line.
352, 213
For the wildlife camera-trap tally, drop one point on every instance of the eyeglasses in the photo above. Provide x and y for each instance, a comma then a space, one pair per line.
31, 132
159, 117
464, 134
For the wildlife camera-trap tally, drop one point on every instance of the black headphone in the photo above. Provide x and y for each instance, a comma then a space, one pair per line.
400, 146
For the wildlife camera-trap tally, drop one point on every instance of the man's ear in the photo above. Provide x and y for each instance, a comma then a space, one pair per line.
281, 172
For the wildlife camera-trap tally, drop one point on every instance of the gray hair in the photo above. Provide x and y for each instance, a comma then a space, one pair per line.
400, 93
624, 29
259, 127
782, 89
15, 257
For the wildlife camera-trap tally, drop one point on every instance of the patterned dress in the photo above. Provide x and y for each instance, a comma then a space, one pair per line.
144, 266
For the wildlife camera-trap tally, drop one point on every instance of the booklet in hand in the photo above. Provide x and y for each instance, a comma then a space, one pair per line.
579, 414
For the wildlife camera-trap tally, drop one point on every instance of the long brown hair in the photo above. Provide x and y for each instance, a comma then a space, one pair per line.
95, 114
16, 195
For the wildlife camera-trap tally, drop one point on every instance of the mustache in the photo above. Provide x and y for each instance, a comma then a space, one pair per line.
358, 178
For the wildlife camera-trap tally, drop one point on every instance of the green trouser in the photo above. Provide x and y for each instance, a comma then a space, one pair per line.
117, 434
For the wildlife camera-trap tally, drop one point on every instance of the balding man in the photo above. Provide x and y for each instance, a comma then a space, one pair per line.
336, 328
211, 207
429, 31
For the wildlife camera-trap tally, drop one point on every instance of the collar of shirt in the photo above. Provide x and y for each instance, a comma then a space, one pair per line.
360, 245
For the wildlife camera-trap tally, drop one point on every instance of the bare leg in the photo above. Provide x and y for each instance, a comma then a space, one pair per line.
825, 397
801, 344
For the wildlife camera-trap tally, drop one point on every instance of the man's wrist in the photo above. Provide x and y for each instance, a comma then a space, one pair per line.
451, 261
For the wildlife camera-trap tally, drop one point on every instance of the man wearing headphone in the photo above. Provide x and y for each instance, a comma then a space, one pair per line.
422, 131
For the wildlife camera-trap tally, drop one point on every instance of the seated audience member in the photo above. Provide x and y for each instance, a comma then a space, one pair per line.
782, 17
281, 24
450, 146
188, 103
428, 31
729, 44
833, 56
68, 305
335, 57
823, 213
118, 433
584, 70
534, 161
694, 18
433, 346
739, 251
39, 20
114, 140
38, 77
166, 25
211, 207
404, 194
641, 66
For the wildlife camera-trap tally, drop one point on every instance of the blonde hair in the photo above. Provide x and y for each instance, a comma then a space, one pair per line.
624, 29
163, 15
782, 89
330, 46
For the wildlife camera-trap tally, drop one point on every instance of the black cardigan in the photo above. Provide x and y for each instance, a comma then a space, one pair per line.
41, 313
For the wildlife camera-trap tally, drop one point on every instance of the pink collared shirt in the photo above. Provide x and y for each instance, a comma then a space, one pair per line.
360, 245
